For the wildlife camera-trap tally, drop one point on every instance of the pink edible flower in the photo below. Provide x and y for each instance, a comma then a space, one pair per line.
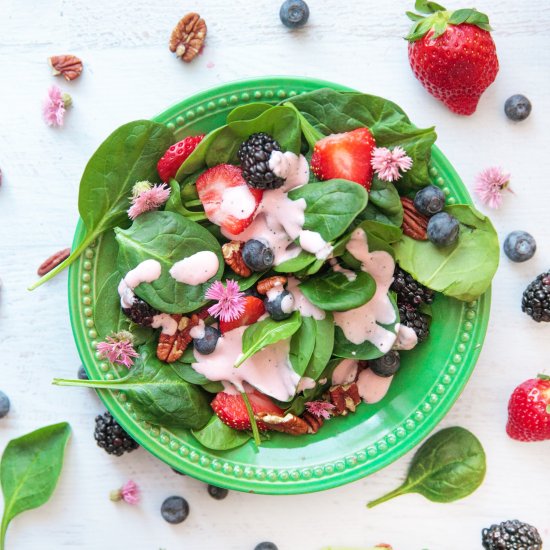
387, 164
118, 349
230, 300
53, 109
490, 184
320, 409
149, 198
129, 493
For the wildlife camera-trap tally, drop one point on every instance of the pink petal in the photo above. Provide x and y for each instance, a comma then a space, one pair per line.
130, 492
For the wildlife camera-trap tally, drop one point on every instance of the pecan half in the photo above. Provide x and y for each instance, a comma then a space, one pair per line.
415, 224
313, 422
233, 255
53, 261
264, 286
171, 346
288, 424
344, 398
69, 66
188, 37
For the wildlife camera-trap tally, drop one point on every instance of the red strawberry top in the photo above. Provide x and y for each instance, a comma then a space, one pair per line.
529, 411
175, 156
452, 54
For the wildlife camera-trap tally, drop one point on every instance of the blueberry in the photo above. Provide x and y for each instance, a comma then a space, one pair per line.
266, 546
430, 200
443, 229
207, 344
387, 365
517, 107
4, 404
174, 509
519, 246
219, 493
82, 374
280, 306
257, 255
294, 13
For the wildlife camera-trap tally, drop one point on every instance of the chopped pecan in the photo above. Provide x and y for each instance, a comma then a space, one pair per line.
188, 37
288, 424
344, 398
415, 224
69, 66
264, 286
233, 255
53, 261
171, 346
313, 422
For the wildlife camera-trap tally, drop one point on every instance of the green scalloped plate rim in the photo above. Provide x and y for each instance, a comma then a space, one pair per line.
355, 459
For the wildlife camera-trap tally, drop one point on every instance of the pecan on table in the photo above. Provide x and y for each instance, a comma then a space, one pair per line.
69, 66
188, 37
53, 261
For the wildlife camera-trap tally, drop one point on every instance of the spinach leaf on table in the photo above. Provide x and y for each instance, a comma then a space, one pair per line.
156, 392
449, 466
219, 437
463, 270
30, 469
168, 238
128, 155
302, 345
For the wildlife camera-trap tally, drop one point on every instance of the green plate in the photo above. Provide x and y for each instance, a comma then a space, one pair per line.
346, 448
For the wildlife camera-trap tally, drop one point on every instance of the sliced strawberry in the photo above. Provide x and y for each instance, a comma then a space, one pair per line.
227, 199
174, 157
253, 310
231, 409
346, 156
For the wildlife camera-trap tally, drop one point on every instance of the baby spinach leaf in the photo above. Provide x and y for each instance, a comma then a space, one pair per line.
248, 111
387, 232
157, 393
29, 471
463, 270
189, 374
449, 466
303, 260
324, 344
302, 345
168, 238
333, 291
108, 315
244, 282
174, 204
331, 205
219, 437
384, 204
128, 155
263, 333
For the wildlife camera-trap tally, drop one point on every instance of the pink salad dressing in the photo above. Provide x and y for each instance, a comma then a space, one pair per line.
372, 388
348, 273
301, 303
361, 324
305, 383
345, 372
166, 323
406, 338
145, 272
196, 269
293, 168
197, 331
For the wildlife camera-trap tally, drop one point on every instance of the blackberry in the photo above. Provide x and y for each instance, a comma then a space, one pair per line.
411, 317
254, 155
141, 313
511, 535
410, 291
536, 298
110, 436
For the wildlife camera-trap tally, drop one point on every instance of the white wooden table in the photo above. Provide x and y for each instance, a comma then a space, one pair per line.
129, 73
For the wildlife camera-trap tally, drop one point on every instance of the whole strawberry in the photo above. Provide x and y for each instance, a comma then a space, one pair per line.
452, 54
529, 410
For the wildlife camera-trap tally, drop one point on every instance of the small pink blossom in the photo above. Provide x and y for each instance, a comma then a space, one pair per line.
150, 197
387, 164
129, 493
54, 107
320, 409
118, 349
230, 300
490, 184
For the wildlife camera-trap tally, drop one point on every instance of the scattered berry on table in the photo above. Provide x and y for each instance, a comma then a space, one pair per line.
281, 306
430, 200
111, 437
266, 546
257, 255
519, 246
410, 291
511, 535
175, 156
387, 365
529, 412
517, 107
347, 155
294, 13
412, 318
218, 493
536, 298
82, 374
253, 310
443, 229
174, 509
207, 344
254, 154
4, 404
141, 313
